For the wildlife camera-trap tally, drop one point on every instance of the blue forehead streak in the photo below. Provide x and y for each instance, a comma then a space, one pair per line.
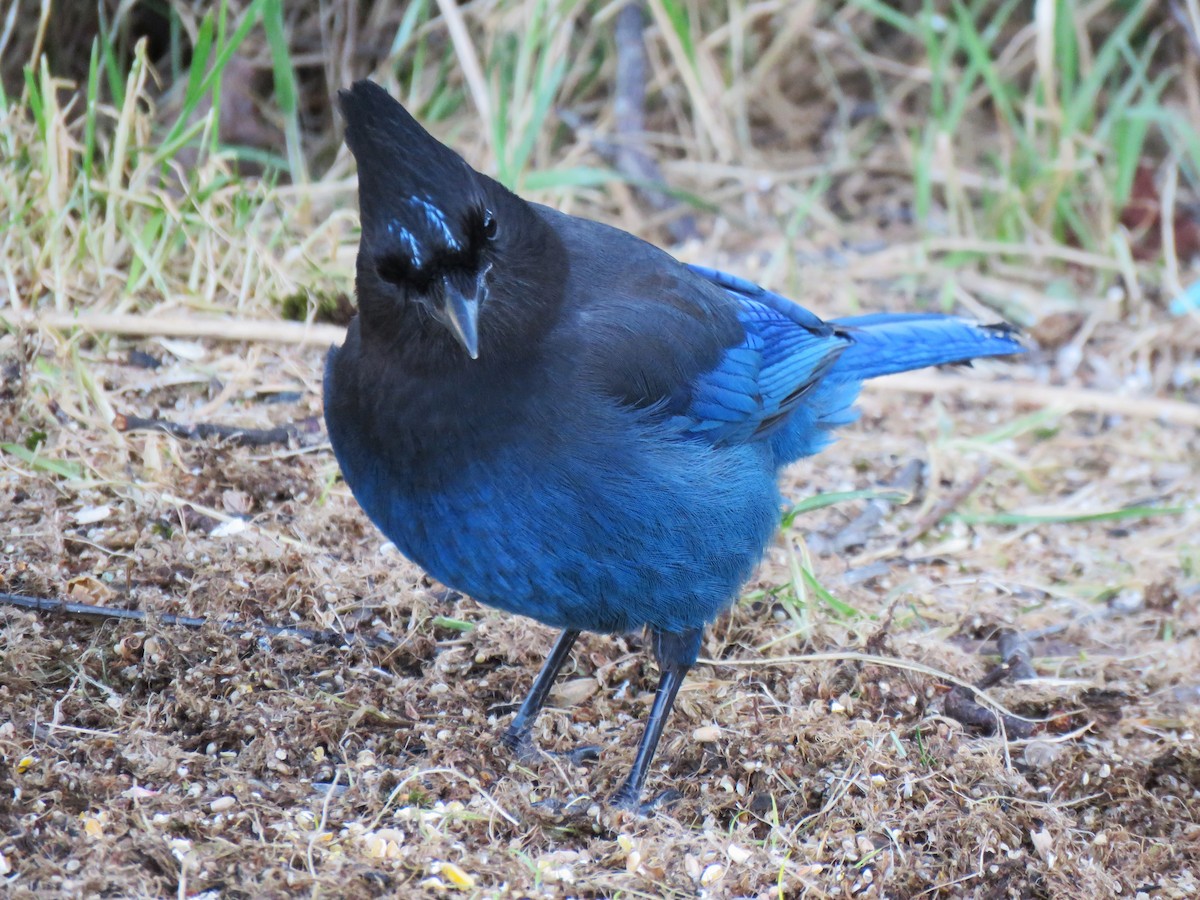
405, 237
436, 220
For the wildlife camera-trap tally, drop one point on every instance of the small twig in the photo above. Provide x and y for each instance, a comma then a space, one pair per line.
87, 611
625, 150
961, 706
263, 330
243, 437
1014, 660
1015, 653
942, 508
629, 94
1189, 23
43, 732
629, 108
860, 530
319, 830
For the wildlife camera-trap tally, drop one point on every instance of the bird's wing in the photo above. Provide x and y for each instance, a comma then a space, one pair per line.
722, 358
784, 353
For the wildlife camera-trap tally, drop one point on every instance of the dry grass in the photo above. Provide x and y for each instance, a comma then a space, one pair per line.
812, 745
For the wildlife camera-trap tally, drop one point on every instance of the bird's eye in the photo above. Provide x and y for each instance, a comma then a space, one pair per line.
489, 225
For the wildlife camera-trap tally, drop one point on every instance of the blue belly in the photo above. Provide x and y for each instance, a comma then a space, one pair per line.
662, 532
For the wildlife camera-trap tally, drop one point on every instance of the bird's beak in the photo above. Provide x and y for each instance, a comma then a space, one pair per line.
459, 313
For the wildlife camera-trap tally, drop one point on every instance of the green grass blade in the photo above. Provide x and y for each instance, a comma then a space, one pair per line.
833, 498
572, 177
89, 125
207, 67
677, 14
839, 607
37, 108
1066, 50
286, 92
112, 66
459, 625
979, 54
1114, 515
889, 14
1079, 112
62, 468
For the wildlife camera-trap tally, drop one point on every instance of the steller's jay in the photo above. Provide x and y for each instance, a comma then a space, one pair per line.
560, 420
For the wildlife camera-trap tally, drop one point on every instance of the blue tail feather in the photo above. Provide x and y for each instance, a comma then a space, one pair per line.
887, 343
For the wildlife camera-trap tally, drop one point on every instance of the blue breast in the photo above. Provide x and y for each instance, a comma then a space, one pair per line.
630, 527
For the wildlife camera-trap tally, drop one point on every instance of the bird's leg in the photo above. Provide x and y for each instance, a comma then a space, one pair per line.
676, 654
516, 739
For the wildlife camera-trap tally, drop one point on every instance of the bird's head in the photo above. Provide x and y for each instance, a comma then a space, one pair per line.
430, 223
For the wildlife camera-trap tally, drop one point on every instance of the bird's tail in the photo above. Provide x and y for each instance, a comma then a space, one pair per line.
886, 343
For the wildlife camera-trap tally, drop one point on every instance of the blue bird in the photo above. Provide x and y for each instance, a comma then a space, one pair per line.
564, 422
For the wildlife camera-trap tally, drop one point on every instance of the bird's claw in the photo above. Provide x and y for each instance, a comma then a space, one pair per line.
583, 754
521, 747
623, 800
559, 810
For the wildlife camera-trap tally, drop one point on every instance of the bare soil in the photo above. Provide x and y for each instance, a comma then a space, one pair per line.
142, 759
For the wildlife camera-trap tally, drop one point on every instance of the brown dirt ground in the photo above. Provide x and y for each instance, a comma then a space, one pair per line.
141, 759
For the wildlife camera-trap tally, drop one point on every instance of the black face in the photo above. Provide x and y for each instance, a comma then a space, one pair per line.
438, 241
420, 243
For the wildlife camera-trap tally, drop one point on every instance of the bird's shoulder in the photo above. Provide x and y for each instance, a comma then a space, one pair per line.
635, 322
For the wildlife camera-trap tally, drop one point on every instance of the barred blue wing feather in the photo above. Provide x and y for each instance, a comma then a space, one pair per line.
759, 382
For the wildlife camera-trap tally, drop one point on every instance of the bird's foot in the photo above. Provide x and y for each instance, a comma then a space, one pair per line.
632, 802
519, 745
522, 747
584, 753
561, 810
